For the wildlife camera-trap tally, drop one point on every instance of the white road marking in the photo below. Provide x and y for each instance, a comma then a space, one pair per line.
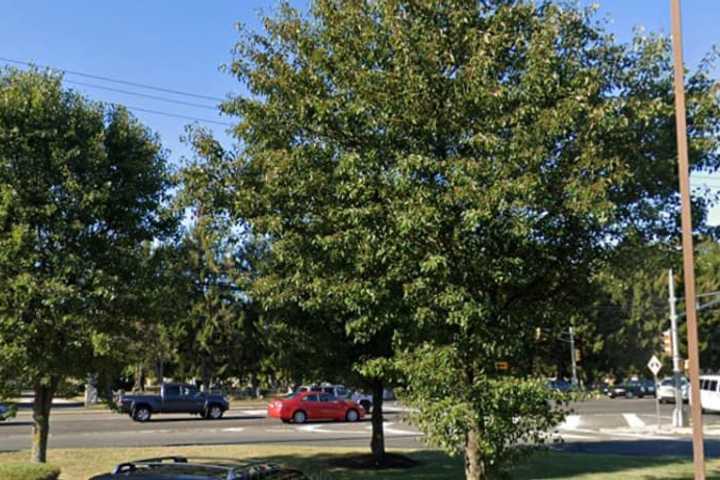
643, 436
252, 412
233, 429
309, 428
320, 428
571, 436
582, 430
633, 420
395, 431
572, 422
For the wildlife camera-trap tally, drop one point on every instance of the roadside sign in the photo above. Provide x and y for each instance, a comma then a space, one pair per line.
654, 365
502, 365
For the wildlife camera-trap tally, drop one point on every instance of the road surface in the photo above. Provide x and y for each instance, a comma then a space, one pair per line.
618, 426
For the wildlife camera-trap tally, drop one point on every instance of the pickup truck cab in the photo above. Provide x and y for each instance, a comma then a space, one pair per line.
173, 398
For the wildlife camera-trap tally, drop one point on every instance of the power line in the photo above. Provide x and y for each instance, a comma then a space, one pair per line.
141, 109
114, 80
167, 114
144, 95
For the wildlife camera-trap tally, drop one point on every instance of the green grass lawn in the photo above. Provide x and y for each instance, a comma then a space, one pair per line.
78, 464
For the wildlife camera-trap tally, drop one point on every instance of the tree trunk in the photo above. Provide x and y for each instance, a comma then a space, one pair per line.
159, 371
41, 419
139, 385
377, 442
474, 467
255, 386
91, 389
205, 371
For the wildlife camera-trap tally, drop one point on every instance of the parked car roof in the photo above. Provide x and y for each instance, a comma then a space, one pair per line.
180, 468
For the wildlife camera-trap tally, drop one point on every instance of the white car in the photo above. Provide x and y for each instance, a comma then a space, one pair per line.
709, 393
666, 390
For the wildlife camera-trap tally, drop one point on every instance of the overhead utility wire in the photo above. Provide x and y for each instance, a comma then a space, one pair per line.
140, 109
185, 117
144, 95
114, 80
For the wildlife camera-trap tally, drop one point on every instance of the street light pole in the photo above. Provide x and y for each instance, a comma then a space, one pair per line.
687, 244
678, 419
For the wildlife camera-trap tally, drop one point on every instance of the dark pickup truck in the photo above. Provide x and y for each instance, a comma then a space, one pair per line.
173, 398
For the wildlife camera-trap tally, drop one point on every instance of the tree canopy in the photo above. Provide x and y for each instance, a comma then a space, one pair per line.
81, 186
448, 176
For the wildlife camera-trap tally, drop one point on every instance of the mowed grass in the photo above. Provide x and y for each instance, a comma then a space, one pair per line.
78, 464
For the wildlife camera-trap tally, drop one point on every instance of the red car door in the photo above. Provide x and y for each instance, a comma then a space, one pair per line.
330, 407
312, 406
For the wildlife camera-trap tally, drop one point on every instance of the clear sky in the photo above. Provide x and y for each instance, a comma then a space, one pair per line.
180, 45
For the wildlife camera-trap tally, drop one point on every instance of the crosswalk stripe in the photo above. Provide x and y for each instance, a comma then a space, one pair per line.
633, 420
572, 422
572, 436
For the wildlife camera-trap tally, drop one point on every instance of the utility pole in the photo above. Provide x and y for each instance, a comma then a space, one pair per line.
678, 419
687, 245
572, 357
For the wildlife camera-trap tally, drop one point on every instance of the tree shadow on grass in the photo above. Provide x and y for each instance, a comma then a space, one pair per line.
435, 465
420, 465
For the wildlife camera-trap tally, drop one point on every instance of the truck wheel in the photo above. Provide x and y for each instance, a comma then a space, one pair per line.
142, 414
214, 412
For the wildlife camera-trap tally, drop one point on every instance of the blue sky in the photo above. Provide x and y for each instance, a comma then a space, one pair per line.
179, 45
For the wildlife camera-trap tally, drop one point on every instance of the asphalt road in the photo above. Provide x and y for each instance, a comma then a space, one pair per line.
618, 426
79, 428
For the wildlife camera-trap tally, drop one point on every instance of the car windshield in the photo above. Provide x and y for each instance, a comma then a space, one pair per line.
667, 383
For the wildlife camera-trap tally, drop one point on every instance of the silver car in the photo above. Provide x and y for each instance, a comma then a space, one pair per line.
666, 390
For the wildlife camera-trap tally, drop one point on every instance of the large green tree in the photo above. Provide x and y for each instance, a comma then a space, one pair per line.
217, 330
449, 176
81, 185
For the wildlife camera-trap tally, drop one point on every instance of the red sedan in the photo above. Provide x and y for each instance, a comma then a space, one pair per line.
304, 406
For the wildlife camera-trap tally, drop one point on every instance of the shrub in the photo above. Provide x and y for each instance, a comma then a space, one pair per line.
28, 471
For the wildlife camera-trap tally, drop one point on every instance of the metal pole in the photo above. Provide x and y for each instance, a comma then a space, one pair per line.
572, 358
657, 402
687, 244
679, 411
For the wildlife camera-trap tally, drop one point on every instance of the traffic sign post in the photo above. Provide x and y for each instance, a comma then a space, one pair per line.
655, 365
